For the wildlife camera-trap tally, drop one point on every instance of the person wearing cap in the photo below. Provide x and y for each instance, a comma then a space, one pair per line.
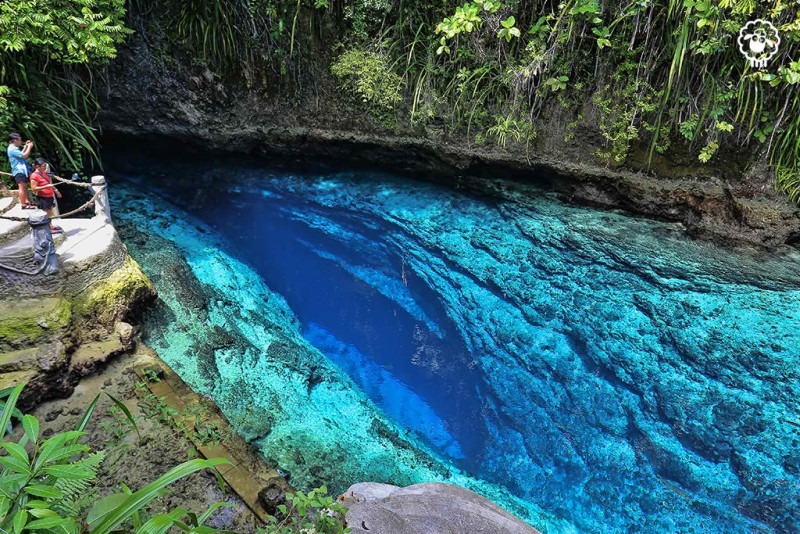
19, 167
45, 191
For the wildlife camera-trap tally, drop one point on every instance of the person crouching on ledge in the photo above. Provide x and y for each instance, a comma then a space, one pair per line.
19, 167
45, 191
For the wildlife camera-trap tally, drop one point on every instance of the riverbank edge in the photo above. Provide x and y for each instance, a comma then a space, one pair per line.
708, 207
138, 457
52, 341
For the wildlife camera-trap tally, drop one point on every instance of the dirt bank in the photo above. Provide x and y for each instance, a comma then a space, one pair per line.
138, 462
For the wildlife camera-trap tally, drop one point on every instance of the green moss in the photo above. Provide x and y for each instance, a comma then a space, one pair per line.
115, 297
33, 321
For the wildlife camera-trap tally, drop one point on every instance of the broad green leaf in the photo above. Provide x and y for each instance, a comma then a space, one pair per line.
53, 445
31, 426
10, 483
20, 519
71, 472
105, 506
5, 506
42, 505
140, 498
43, 490
42, 513
17, 451
46, 523
9, 407
68, 452
15, 465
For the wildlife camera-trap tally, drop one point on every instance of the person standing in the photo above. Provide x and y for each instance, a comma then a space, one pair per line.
19, 167
45, 191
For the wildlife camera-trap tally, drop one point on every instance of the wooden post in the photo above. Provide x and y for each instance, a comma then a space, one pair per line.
102, 208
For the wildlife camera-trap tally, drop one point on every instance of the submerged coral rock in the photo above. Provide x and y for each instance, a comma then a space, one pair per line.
601, 367
429, 508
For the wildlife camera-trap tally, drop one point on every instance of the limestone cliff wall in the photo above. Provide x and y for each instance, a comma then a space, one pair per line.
189, 106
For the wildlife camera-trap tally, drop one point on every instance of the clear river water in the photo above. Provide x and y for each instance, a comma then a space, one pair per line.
587, 370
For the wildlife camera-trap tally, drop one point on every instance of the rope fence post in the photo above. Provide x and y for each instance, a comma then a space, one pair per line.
43, 248
102, 208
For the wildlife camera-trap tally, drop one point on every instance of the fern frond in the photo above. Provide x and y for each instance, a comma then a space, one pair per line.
78, 494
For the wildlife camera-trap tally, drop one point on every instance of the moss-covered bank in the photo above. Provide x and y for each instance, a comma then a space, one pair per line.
51, 341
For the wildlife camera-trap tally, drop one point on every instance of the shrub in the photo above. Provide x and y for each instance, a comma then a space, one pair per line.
313, 512
367, 77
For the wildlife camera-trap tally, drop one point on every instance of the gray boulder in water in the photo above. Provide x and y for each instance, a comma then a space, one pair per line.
430, 508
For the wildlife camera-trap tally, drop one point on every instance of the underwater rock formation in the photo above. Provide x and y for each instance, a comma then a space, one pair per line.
627, 378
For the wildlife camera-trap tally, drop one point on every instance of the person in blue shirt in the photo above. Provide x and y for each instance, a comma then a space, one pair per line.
19, 167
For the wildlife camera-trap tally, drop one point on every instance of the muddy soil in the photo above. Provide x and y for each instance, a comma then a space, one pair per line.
136, 462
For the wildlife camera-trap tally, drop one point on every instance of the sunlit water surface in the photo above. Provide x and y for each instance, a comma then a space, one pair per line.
587, 370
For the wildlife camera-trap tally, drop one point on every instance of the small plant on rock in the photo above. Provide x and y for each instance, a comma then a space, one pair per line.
315, 512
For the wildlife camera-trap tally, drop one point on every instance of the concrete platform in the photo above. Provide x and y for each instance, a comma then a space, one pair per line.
6, 203
12, 229
81, 242
83, 239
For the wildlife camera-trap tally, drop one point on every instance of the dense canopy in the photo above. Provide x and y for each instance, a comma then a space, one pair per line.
649, 76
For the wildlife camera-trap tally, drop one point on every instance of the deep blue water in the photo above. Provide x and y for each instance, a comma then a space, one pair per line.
603, 369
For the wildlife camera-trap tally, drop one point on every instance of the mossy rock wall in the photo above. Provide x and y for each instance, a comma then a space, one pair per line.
51, 341
121, 296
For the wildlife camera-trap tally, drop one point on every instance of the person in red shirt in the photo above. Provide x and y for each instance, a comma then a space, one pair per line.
45, 191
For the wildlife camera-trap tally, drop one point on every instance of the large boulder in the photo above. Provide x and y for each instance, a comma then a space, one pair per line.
429, 508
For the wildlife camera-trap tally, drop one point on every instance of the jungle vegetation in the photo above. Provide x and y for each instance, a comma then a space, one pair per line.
651, 75
50, 483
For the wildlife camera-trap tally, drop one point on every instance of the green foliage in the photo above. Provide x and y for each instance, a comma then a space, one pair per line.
312, 512
213, 29
518, 130
367, 77
651, 71
363, 16
787, 180
507, 30
708, 151
557, 83
76, 495
44, 92
47, 485
79, 31
467, 18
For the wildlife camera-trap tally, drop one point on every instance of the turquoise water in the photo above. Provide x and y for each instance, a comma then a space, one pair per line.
587, 370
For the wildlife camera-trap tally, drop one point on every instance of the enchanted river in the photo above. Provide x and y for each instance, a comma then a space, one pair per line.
586, 370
